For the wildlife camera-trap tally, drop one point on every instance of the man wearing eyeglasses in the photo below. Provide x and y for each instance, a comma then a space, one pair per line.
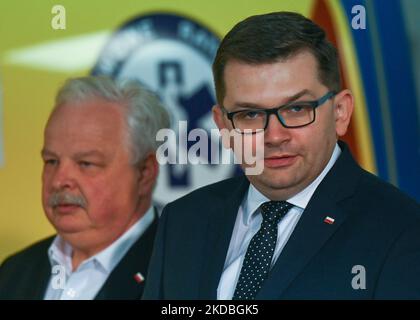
313, 224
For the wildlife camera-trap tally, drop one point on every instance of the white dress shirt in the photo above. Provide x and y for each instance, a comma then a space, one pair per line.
85, 282
248, 223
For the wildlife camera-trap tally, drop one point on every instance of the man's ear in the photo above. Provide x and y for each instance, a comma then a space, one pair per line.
344, 105
224, 129
148, 173
218, 117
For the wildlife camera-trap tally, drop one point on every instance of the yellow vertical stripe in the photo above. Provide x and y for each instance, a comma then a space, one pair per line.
353, 77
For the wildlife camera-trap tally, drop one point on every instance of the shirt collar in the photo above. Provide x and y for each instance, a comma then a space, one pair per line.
60, 251
255, 199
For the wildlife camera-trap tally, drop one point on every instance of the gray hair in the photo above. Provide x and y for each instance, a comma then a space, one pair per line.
145, 115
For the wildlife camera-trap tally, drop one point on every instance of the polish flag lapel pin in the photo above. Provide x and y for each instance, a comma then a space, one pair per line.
329, 220
138, 277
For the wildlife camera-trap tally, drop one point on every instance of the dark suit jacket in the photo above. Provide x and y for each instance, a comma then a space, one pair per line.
376, 226
26, 274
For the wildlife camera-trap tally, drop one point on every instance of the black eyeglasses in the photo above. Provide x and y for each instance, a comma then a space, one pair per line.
291, 115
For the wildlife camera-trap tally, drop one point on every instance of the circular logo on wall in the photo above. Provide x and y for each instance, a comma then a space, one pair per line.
172, 55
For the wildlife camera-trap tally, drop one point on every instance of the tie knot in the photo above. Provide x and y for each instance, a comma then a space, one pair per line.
274, 211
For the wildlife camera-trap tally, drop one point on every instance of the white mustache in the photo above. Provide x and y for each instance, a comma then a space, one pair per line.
59, 198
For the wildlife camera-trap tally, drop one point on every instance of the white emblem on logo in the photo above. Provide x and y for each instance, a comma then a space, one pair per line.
172, 56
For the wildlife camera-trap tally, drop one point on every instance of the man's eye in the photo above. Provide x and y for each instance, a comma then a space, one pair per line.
51, 162
85, 164
296, 109
250, 115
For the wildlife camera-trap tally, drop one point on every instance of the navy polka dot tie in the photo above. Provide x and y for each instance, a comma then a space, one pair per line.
259, 254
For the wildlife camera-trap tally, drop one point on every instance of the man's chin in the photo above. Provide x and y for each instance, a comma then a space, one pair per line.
281, 176
63, 228
275, 180
67, 224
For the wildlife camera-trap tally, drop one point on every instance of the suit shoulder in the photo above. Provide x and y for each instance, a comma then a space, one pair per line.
209, 192
22, 272
389, 197
34, 251
210, 196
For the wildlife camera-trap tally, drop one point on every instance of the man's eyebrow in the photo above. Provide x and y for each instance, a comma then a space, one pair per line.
46, 152
90, 153
247, 105
300, 94
250, 105
83, 154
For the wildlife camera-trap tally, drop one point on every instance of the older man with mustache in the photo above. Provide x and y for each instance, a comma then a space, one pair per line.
98, 176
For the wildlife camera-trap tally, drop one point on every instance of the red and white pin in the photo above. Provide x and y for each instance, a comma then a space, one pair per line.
329, 220
138, 277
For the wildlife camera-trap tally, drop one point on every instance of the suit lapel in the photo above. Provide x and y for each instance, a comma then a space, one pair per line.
121, 283
219, 232
41, 276
307, 239
311, 232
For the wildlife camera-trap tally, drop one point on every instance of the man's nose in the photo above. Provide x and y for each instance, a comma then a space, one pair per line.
63, 177
276, 133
